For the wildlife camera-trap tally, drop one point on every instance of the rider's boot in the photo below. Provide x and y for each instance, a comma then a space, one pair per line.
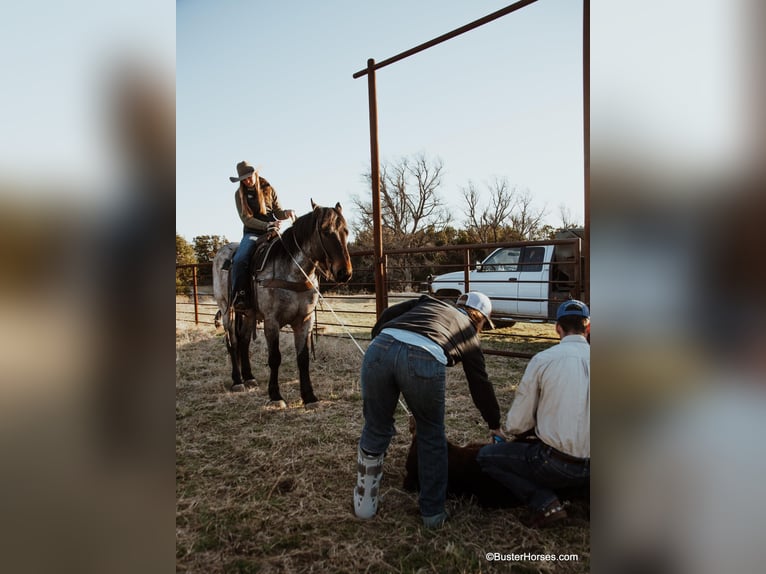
241, 296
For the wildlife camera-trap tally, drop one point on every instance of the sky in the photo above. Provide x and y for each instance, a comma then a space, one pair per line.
271, 83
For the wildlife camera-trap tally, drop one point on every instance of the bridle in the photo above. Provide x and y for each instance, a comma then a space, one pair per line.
325, 271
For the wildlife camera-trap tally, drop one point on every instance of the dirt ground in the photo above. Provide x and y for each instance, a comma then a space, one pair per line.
265, 490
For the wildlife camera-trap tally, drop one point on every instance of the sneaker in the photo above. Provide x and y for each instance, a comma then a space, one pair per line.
552, 513
435, 521
368, 476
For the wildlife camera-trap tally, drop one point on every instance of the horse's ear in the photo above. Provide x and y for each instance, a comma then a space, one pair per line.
313, 205
339, 207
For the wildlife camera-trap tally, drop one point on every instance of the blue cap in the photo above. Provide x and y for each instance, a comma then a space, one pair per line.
573, 307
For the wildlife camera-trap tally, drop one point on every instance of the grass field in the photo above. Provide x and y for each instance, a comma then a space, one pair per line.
263, 490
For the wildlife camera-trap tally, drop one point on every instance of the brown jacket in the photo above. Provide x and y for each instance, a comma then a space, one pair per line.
254, 219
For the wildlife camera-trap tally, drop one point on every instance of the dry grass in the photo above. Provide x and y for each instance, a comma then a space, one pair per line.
262, 490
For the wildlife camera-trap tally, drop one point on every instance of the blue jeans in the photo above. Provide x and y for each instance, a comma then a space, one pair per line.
240, 264
391, 367
530, 472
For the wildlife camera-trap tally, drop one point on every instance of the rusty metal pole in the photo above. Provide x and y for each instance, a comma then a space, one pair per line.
586, 143
194, 290
381, 297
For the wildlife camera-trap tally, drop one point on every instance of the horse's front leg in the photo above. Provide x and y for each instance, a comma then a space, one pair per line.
271, 332
245, 327
302, 332
231, 338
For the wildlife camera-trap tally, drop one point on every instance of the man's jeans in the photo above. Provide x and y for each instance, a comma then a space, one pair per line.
240, 264
390, 367
530, 472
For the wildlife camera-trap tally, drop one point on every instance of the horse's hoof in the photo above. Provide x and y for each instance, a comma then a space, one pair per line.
312, 405
278, 404
240, 388
251, 383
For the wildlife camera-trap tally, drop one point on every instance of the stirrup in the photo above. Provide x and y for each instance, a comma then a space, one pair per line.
240, 301
368, 476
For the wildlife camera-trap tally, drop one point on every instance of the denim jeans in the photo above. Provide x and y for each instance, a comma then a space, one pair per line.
391, 367
530, 472
240, 264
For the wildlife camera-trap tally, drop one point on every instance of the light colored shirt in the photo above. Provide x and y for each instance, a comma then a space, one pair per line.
553, 397
418, 340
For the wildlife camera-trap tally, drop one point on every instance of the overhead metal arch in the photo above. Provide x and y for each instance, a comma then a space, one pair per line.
381, 294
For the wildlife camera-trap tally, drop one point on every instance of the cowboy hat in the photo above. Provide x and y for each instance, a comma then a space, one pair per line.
244, 170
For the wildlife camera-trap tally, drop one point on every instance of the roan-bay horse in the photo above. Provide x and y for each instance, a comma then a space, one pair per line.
286, 292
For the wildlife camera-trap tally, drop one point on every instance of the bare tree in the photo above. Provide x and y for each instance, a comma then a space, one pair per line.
526, 220
409, 200
411, 207
473, 221
567, 222
489, 225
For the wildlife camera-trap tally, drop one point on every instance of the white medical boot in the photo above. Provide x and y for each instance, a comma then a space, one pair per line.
368, 475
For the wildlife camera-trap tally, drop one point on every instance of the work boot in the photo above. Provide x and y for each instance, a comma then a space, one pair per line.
368, 476
552, 513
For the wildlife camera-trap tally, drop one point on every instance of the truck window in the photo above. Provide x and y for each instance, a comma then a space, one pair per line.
533, 259
505, 259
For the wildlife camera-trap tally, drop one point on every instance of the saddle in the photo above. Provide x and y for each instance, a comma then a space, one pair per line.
264, 244
263, 247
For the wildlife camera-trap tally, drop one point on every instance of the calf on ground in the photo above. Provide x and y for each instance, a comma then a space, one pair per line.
465, 478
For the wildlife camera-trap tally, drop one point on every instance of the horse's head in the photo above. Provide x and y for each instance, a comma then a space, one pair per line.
331, 246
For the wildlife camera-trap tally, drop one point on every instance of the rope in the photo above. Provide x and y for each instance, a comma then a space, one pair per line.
324, 302
316, 288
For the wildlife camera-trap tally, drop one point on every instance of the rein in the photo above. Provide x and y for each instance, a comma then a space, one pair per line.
324, 273
298, 286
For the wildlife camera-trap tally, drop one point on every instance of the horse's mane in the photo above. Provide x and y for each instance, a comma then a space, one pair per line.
304, 225
301, 228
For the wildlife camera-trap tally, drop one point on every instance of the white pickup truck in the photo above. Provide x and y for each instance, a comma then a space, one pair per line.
525, 281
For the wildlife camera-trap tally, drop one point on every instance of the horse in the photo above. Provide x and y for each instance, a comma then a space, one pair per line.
285, 292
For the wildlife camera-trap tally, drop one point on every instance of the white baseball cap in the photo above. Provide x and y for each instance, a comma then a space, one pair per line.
480, 302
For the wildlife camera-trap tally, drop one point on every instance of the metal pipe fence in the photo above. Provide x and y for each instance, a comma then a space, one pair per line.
351, 308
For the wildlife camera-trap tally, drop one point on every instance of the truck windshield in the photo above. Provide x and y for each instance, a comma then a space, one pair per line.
504, 259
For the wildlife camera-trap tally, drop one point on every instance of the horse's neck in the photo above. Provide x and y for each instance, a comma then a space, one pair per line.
301, 258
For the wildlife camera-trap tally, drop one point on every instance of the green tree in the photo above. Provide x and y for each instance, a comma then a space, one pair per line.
205, 248
184, 256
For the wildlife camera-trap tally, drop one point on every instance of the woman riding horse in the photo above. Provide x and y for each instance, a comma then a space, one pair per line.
286, 290
258, 208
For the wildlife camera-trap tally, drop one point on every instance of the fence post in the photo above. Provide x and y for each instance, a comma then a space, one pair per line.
467, 269
381, 295
194, 294
585, 289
